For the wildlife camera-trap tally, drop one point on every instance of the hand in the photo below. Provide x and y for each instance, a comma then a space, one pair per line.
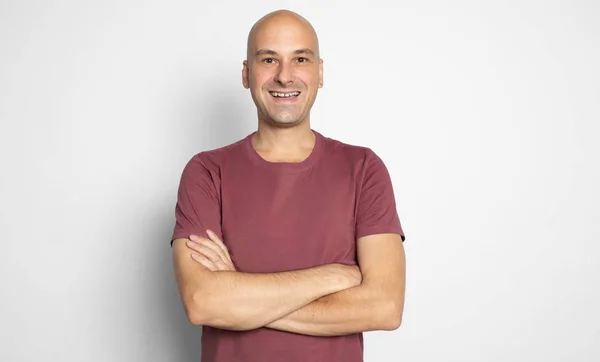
212, 253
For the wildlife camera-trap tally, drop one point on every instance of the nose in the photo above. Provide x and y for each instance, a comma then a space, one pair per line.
284, 75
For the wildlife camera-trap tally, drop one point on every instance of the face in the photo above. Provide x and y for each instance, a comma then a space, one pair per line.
283, 71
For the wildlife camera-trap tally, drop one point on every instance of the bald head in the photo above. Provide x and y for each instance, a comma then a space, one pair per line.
283, 57
277, 23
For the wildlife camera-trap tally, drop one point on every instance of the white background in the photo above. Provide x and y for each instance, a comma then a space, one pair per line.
486, 114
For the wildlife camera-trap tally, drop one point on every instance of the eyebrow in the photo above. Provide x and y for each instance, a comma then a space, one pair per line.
272, 52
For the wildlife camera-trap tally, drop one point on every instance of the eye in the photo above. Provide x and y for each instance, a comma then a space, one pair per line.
302, 60
268, 60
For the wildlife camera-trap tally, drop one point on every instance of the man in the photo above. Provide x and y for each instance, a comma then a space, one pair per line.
270, 229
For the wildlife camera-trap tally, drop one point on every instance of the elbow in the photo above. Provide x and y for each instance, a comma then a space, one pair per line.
201, 310
392, 317
195, 319
198, 308
194, 310
393, 323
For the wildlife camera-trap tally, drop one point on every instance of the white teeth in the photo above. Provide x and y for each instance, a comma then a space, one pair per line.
284, 95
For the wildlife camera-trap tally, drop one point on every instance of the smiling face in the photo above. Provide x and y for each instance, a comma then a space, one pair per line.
283, 70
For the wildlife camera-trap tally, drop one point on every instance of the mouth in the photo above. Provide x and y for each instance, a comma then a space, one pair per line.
285, 95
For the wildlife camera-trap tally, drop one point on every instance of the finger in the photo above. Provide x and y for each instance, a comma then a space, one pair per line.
223, 266
195, 245
204, 250
218, 265
218, 241
204, 261
201, 242
220, 249
207, 244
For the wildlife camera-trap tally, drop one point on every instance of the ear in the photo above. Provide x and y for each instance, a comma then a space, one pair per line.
245, 81
320, 73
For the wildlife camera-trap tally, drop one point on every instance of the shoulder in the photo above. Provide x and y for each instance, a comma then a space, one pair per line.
214, 159
207, 165
355, 154
360, 160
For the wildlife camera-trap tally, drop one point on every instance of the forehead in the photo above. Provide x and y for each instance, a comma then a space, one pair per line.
284, 36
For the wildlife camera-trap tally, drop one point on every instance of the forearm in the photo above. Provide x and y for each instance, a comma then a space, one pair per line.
243, 301
352, 310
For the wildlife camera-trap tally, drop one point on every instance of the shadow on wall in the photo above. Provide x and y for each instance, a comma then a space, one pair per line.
216, 120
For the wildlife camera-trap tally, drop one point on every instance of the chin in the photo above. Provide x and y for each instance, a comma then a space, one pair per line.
286, 122
286, 119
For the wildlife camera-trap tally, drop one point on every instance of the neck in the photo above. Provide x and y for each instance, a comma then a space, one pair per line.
283, 140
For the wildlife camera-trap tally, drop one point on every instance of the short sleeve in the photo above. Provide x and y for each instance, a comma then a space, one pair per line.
376, 209
198, 206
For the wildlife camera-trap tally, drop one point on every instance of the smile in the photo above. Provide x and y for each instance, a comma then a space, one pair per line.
285, 95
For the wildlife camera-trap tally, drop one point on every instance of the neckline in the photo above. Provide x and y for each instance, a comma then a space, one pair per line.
285, 166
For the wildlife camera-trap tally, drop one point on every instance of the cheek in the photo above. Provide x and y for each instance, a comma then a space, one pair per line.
259, 87
310, 78
258, 79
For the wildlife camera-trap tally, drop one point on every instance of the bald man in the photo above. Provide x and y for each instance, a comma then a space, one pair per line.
287, 244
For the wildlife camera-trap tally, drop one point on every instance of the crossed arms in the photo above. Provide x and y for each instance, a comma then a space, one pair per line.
327, 300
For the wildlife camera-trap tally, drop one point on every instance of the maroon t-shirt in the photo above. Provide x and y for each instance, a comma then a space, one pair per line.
278, 216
